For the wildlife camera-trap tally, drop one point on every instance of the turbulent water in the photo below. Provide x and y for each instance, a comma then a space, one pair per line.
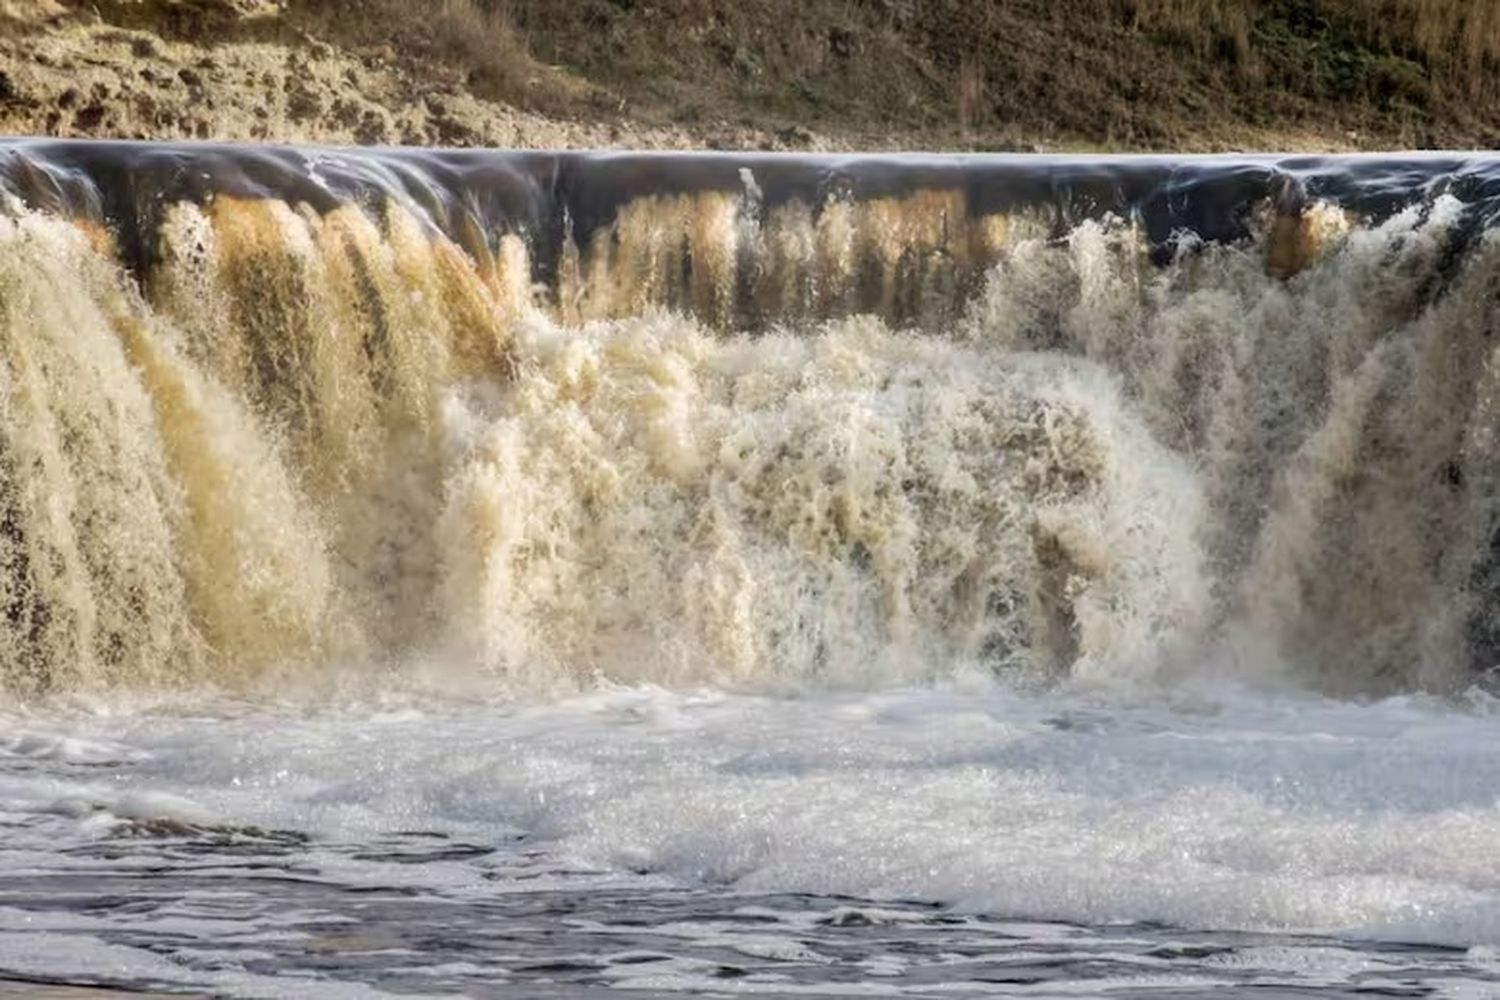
892, 593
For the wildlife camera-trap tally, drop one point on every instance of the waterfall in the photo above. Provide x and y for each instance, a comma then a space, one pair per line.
744, 419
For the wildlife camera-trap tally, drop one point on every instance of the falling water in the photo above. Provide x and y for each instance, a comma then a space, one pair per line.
743, 420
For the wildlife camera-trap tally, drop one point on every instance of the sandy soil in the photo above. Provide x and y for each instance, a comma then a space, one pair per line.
253, 77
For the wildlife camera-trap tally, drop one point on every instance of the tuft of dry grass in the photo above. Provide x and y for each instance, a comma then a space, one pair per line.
1458, 37
1458, 41
473, 38
479, 37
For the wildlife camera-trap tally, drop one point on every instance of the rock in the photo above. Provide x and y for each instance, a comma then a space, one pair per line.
90, 117
796, 137
373, 129
303, 103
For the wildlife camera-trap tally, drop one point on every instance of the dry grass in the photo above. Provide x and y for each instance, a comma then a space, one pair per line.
473, 38
1125, 72
1131, 72
983, 73
1459, 36
481, 38
1458, 41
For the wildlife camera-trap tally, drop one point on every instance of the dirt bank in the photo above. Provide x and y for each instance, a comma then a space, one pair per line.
762, 74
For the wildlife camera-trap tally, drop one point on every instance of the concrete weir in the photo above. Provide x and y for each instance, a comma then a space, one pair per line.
744, 239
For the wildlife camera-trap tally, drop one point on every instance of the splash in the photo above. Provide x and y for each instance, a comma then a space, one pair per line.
650, 503
735, 440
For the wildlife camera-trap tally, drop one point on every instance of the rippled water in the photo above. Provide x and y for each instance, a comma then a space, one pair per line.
964, 841
578, 935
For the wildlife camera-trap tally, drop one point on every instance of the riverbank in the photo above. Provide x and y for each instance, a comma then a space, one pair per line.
1292, 75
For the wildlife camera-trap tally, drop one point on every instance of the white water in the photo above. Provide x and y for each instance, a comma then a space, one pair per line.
370, 624
328, 439
1226, 811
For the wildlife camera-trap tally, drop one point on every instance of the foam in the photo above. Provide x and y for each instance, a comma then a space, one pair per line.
333, 445
1256, 814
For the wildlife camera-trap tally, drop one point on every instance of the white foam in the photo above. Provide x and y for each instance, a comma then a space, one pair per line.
1293, 814
90, 960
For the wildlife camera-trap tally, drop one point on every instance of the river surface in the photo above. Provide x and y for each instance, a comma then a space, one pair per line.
967, 840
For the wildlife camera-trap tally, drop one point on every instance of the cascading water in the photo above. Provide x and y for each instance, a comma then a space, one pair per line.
721, 419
